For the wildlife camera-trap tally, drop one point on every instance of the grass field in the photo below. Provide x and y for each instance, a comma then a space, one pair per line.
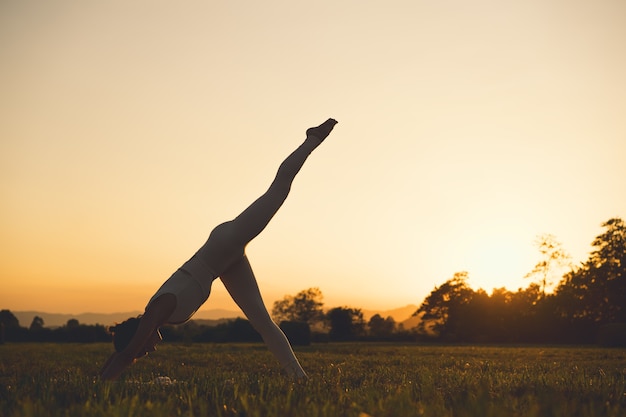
346, 380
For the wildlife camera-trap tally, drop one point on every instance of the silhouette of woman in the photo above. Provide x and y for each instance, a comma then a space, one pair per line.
223, 255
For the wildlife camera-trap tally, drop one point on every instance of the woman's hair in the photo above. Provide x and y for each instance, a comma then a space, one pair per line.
124, 332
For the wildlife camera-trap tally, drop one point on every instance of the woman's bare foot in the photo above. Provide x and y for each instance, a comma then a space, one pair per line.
322, 131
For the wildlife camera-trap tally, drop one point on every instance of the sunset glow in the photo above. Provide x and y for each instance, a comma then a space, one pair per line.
465, 130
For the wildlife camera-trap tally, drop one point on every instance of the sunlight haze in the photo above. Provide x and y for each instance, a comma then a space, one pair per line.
466, 129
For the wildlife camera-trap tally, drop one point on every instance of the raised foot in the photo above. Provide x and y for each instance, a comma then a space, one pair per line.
323, 130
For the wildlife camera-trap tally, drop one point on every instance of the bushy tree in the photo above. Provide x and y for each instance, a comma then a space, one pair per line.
8, 319
596, 291
345, 323
236, 330
37, 332
298, 333
37, 324
456, 313
587, 306
444, 307
10, 327
306, 307
381, 328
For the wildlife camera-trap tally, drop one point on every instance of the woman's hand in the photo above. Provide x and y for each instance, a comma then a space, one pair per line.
144, 339
115, 365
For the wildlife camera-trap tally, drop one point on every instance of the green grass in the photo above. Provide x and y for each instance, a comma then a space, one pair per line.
346, 380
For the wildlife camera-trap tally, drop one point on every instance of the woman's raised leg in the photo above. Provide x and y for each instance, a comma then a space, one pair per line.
253, 220
227, 241
241, 284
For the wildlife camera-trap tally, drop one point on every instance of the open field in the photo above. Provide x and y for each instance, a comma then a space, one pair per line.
346, 380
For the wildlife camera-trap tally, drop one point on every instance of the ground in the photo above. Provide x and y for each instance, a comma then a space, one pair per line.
352, 379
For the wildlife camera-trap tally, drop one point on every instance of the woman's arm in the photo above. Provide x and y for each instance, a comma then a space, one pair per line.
155, 316
116, 364
107, 363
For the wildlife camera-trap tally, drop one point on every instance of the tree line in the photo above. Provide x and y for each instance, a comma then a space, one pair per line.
72, 331
338, 324
588, 305
302, 318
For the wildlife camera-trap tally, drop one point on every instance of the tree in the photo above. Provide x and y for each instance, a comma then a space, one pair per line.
523, 313
8, 325
306, 306
443, 308
608, 261
380, 327
72, 324
481, 318
13, 332
595, 293
36, 325
298, 333
345, 323
36, 331
237, 330
9, 320
553, 259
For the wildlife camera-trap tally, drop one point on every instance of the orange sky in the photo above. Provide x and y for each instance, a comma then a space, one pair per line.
466, 129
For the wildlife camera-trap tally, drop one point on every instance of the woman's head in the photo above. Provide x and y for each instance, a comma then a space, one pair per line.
124, 332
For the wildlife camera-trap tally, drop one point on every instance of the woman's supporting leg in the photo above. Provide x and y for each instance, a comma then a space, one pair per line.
241, 283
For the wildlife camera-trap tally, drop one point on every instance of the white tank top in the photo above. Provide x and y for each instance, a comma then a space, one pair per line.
191, 284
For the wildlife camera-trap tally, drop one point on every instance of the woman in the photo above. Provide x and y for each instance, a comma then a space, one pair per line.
223, 255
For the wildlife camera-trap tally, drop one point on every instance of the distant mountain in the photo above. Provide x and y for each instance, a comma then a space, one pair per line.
56, 319
399, 314
412, 321
402, 315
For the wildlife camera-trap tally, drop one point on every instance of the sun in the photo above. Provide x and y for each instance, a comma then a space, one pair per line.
500, 261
